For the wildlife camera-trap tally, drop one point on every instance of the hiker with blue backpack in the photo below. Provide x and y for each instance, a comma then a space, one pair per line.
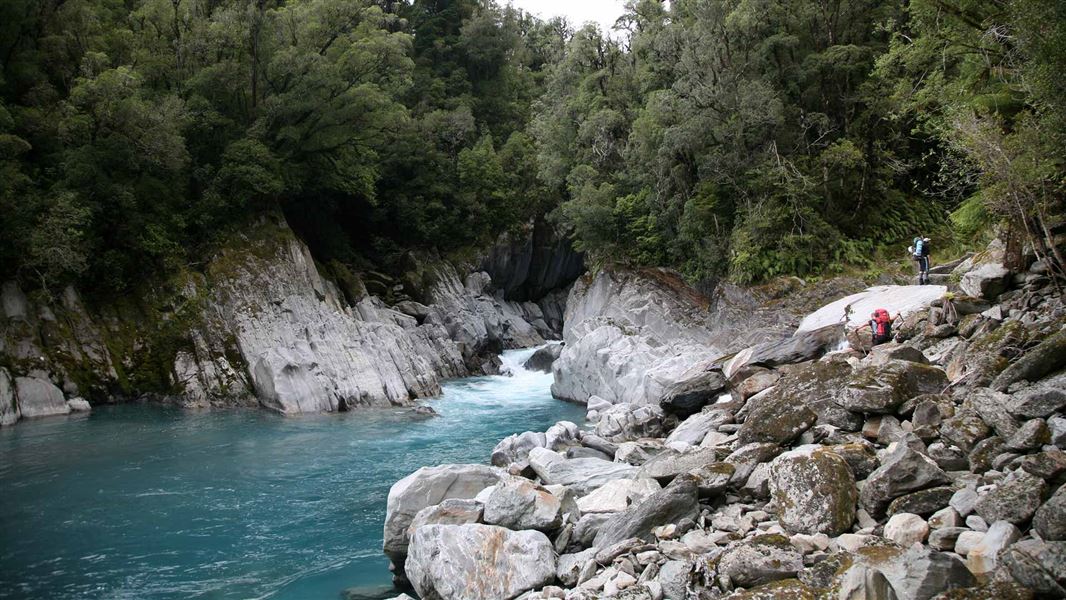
920, 253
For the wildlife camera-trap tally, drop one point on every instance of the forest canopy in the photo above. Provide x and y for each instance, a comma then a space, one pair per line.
726, 138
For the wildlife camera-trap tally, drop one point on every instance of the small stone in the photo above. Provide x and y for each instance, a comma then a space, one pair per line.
922, 502
864, 519
906, 529
976, 523
1057, 425
984, 453
79, 405
1016, 499
1050, 519
967, 541
945, 538
809, 543
948, 458
964, 501
945, 517
984, 557
1049, 465
1030, 436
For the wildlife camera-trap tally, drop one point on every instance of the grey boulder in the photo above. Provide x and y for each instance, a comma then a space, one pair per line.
582, 474
521, 504
677, 501
902, 470
627, 422
39, 397
478, 562
1050, 519
759, 560
1015, 499
427, 487
814, 491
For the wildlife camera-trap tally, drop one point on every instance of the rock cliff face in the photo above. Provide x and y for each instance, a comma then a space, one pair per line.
531, 266
632, 334
260, 324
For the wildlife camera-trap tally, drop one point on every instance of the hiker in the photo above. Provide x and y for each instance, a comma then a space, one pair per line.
880, 325
920, 253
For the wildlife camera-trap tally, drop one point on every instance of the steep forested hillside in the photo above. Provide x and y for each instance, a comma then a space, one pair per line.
723, 137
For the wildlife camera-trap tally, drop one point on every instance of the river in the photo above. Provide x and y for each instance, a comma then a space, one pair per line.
146, 502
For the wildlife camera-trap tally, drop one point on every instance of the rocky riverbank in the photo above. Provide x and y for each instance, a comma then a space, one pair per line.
261, 323
929, 467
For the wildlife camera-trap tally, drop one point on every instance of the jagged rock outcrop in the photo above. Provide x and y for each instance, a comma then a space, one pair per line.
261, 324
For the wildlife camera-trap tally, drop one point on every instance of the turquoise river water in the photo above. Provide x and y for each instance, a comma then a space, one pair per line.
144, 502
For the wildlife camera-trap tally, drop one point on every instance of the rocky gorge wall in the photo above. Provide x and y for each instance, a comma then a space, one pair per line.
260, 324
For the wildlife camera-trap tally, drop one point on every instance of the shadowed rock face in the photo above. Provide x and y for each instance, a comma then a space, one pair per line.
528, 266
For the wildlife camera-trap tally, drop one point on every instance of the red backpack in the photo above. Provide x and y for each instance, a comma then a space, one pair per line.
881, 324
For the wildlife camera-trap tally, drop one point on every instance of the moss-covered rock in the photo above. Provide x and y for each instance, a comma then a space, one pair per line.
814, 491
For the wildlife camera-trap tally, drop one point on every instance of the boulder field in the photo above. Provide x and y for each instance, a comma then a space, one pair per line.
789, 468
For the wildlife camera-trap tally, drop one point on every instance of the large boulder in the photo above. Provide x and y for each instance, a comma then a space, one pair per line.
521, 504
855, 310
814, 491
618, 495
677, 501
453, 511
1040, 400
478, 562
1047, 357
993, 408
1014, 499
626, 422
1050, 519
38, 397
882, 388
688, 396
1039, 566
914, 573
581, 474
986, 281
670, 463
543, 359
816, 385
776, 418
693, 429
426, 487
804, 345
632, 335
760, 560
515, 448
903, 470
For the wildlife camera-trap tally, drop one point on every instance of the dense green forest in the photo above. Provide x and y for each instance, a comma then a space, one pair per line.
735, 138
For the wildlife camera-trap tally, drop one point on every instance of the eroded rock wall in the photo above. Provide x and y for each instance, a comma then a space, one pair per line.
261, 324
